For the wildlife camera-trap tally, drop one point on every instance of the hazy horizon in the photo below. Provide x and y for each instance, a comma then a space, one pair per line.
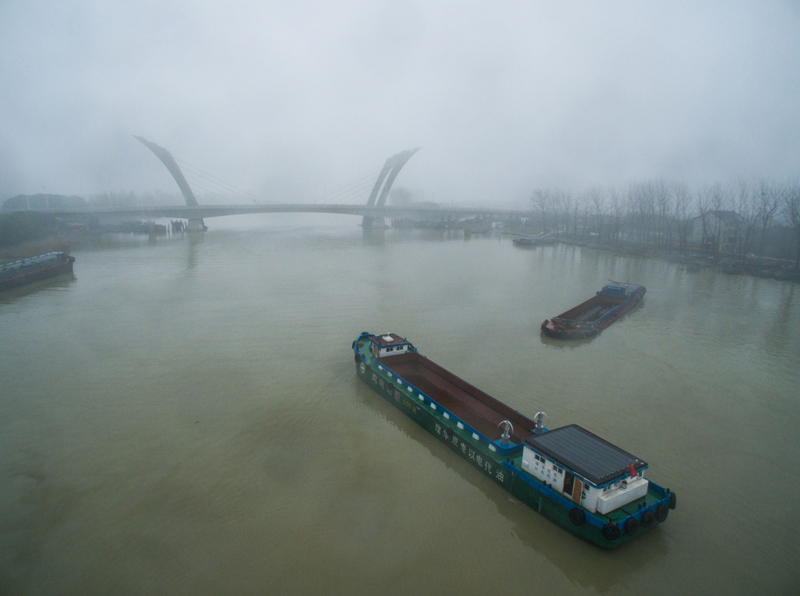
287, 102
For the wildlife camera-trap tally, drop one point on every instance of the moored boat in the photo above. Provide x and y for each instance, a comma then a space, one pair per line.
538, 240
25, 271
590, 317
580, 481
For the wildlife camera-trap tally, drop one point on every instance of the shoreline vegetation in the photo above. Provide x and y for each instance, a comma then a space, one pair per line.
27, 234
751, 228
755, 266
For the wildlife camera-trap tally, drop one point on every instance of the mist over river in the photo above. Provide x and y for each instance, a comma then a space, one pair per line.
184, 417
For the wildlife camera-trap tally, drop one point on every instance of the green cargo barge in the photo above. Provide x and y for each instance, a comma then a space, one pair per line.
583, 483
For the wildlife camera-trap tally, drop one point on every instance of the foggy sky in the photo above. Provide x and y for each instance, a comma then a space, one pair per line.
286, 100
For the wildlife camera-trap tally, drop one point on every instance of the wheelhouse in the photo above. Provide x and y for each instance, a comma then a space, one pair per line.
589, 470
389, 344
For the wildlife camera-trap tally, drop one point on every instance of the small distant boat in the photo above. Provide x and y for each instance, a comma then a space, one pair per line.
538, 240
580, 481
26, 271
590, 317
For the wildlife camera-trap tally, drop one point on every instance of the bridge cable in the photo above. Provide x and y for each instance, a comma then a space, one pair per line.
230, 189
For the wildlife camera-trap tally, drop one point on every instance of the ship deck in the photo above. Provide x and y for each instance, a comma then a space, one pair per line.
592, 309
468, 403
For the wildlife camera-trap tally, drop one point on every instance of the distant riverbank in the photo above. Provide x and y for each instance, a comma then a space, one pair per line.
756, 266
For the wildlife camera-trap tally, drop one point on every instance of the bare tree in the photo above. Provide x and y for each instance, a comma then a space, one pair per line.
617, 213
791, 207
682, 213
769, 200
662, 206
596, 198
711, 202
541, 199
641, 206
746, 209
563, 202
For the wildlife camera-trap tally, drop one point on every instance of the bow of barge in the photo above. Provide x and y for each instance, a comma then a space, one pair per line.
26, 271
582, 482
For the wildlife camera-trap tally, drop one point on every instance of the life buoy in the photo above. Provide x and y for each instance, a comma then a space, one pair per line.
611, 531
631, 526
661, 513
673, 500
647, 518
577, 516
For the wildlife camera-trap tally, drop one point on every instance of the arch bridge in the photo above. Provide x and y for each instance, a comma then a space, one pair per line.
196, 214
373, 213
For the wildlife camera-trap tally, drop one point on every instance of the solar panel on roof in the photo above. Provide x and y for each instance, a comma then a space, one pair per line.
585, 453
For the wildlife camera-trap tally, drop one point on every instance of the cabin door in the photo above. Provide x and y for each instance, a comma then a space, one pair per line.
568, 482
577, 489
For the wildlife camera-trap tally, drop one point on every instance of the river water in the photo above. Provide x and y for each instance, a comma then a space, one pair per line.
184, 417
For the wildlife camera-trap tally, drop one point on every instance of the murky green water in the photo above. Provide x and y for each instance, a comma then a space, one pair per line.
184, 418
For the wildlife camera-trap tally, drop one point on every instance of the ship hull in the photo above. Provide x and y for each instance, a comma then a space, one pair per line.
505, 470
21, 274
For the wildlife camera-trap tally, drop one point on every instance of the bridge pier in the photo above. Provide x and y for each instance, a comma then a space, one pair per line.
196, 224
373, 222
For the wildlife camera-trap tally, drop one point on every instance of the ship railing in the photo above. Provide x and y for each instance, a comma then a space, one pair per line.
612, 312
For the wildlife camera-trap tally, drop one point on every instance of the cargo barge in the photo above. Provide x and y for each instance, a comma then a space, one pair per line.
590, 317
578, 480
26, 271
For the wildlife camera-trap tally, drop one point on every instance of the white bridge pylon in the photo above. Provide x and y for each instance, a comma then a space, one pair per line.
196, 224
385, 179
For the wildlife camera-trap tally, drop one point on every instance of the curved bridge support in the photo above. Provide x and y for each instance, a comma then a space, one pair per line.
196, 224
389, 172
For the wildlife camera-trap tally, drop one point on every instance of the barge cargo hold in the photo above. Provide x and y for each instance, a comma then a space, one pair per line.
26, 271
580, 481
590, 317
